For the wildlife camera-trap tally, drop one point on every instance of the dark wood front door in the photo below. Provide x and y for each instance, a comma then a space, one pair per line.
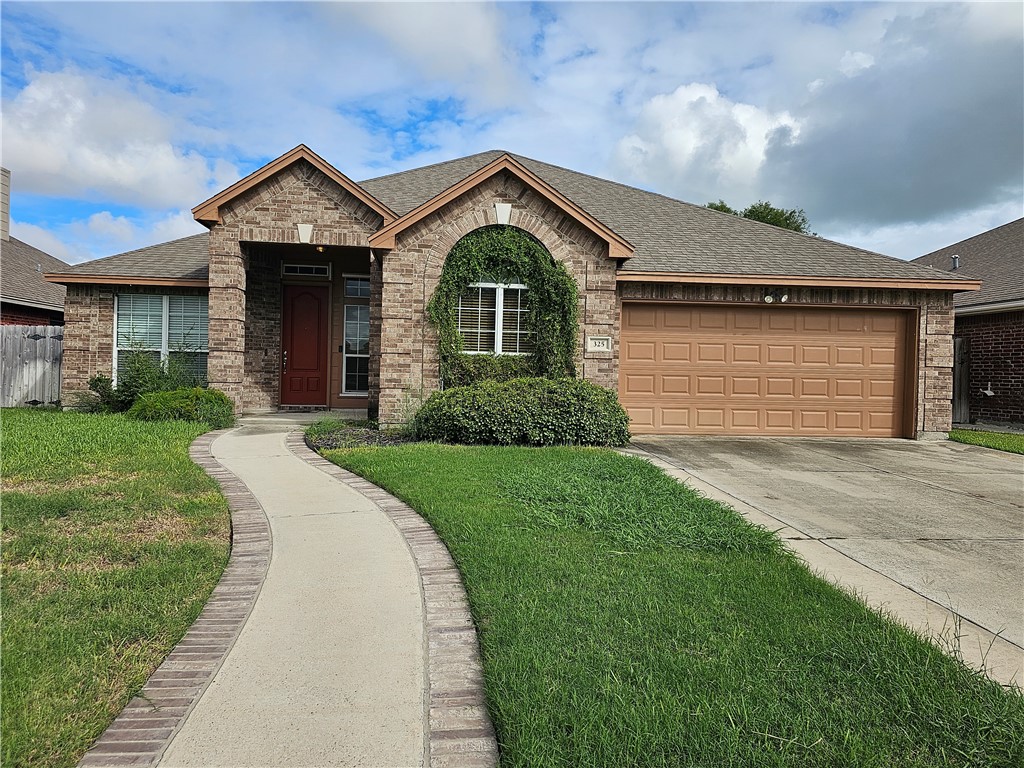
304, 345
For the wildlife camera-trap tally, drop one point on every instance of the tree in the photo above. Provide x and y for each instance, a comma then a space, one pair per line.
763, 211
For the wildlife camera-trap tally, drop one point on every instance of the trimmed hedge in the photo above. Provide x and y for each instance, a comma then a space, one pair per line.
195, 404
529, 411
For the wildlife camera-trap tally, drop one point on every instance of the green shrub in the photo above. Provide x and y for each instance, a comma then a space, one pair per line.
524, 412
140, 373
469, 369
195, 404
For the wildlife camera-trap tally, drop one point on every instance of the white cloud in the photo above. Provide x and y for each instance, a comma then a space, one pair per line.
699, 145
854, 62
77, 135
104, 234
48, 242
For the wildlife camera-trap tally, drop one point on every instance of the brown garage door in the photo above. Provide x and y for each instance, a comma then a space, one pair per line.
691, 369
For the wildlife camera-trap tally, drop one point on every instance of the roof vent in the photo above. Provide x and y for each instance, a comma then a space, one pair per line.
956, 263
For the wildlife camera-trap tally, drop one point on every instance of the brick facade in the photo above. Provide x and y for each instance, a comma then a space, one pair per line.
934, 310
996, 362
89, 331
406, 368
245, 302
19, 314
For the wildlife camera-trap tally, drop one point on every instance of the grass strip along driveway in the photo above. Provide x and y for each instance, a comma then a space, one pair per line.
1011, 442
626, 621
112, 541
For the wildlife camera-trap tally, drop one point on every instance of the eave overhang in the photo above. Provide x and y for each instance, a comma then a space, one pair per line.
618, 247
990, 309
30, 303
798, 281
208, 213
177, 282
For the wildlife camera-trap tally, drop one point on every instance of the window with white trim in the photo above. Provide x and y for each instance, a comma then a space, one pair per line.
493, 318
163, 327
356, 373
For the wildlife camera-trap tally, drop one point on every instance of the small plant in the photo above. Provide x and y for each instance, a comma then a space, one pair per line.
196, 404
140, 373
524, 412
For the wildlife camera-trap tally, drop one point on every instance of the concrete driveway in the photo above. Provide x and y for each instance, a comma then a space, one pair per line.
943, 520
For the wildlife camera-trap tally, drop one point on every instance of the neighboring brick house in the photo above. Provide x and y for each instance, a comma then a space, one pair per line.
310, 290
25, 297
989, 326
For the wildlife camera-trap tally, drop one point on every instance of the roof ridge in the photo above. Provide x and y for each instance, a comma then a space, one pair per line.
734, 216
986, 233
435, 165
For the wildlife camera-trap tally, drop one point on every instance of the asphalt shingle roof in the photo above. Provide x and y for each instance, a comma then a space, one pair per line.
995, 257
668, 235
184, 259
21, 275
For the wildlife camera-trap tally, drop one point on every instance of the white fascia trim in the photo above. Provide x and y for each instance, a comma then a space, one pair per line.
985, 309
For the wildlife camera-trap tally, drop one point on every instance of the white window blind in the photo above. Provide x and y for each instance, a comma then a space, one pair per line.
166, 328
493, 318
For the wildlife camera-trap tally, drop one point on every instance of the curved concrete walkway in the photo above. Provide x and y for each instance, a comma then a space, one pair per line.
356, 650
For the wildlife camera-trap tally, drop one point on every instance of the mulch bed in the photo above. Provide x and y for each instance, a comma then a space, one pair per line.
356, 437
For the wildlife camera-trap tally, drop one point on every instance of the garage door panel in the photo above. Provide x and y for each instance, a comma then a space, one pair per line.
711, 353
639, 384
745, 386
849, 356
812, 420
746, 354
745, 418
640, 351
710, 417
675, 385
754, 370
815, 355
641, 318
814, 387
712, 321
781, 353
847, 388
678, 319
882, 356
818, 322
675, 417
674, 352
711, 385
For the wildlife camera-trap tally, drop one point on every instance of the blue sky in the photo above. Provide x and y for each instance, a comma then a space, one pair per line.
898, 127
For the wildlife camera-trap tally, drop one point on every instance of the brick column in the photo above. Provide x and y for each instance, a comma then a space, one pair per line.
227, 320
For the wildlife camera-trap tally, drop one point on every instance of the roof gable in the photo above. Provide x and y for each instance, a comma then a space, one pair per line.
996, 257
618, 246
22, 276
208, 212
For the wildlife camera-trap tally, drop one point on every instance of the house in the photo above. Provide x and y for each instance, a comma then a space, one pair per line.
25, 297
989, 324
310, 289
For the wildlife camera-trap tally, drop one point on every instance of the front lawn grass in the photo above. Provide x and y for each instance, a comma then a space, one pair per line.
112, 541
626, 621
1001, 441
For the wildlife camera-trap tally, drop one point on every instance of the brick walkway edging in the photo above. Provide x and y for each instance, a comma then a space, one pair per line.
461, 734
140, 734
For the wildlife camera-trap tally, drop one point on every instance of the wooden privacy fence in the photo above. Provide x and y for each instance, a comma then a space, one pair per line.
30, 356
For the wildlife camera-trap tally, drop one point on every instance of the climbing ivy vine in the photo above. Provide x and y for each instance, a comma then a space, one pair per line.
503, 254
